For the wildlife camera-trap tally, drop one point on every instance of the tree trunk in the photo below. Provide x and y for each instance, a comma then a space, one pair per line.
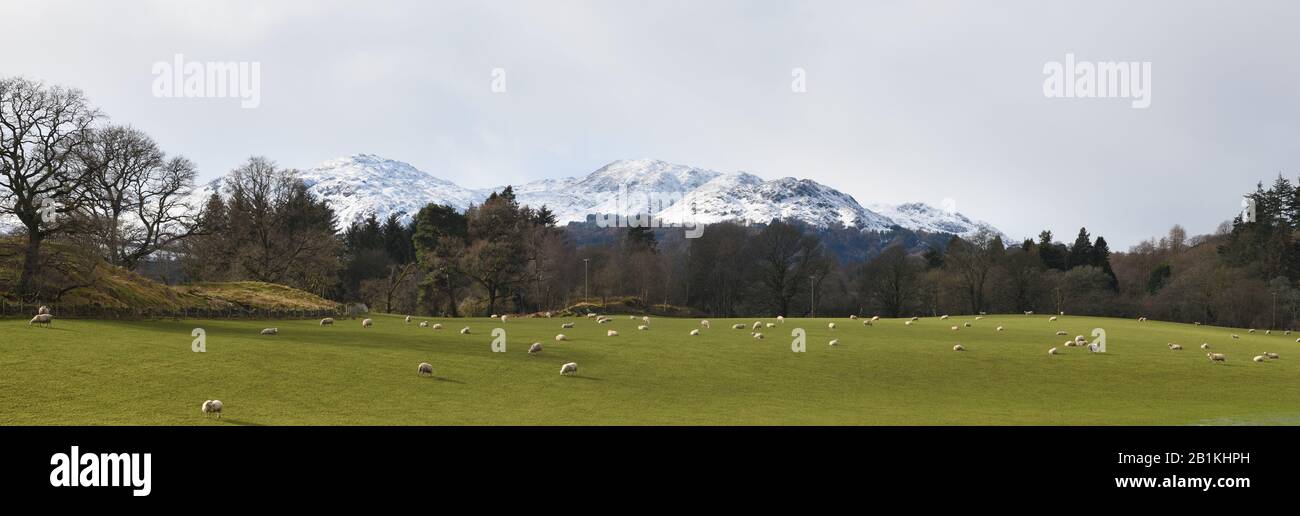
31, 264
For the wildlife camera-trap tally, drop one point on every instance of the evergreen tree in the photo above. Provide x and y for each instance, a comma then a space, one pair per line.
1081, 251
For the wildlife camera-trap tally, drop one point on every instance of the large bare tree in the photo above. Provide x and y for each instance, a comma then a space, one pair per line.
41, 129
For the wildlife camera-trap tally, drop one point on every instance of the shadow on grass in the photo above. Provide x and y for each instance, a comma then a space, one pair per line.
239, 422
448, 380
581, 377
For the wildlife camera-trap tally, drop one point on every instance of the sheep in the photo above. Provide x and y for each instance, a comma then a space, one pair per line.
464, 331
1029, 312
604, 321
770, 325
875, 318
1051, 319
943, 317
1271, 355
1252, 330
424, 324
1094, 348
1175, 347
561, 337
425, 369
569, 368
915, 318
504, 317
1051, 351
44, 310
835, 342
955, 328
1288, 332
757, 325
695, 333
853, 317
493, 316
979, 318
645, 319
408, 319
1142, 319
366, 323
590, 315
1197, 323
547, 315
642, 327
738, 326
566, 326
1079, 339
704, 323
831, 326
1205, 346
909, 323
966, 325
1217, 357
328, 321
1062, 332
437, 326
867, 322
1235, 336
758, 336
1069, 344
45, 319
958, 348
631, 317
1268, 332
611, 333
1062, 312
535, 348
270, 331
1259, 358
212, 407
780, 319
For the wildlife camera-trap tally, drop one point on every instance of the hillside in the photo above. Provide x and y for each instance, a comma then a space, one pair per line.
92, 283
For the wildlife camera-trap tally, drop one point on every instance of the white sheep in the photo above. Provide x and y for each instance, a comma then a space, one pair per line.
1142, 319
1001, 328
425, 369
1051, 351
611, 333
835, 342
569, 368
1259, 358
780, 319
1205, 346
44, 310
547, 315
1271, 355
1175, 347
909, 323
45, 319
1252, 330
604, 321
437, 326
1051, 319
1029, 312
757, 325
642, 327
738, 326
328, 321
561, 337
1235, 336
408, 320
1217, 357
1268, 332
535, 348
590, 315
966, 325
270, 331
494, 316
958, 348
955, 328
1094, 348
875, 317
915, 318
464, 331
704, 323
867, 322
366, 323
977, 318
631, 317
853, 317
831, 326
211, 407
504, 317
424, 324
695, 333
1079, 339
943, 317
646, 320
758, 336
1062, 332
566, 325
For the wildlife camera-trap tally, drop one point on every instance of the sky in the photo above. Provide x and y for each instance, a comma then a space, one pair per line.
901, 101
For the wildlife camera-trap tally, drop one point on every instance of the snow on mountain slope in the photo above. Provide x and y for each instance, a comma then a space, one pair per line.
623, 183
361, 184
923, 217
746, 197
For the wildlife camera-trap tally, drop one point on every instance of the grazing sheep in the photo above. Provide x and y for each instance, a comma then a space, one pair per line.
45, 319
535, 348
1078, 339
44, 310
561, 337
1062, 332
704, 323
504, 317
569, 368
1205, 345
1175, 347
366, 323
958, 348
1142, 319
852, 317
943, 318
424, 324
646, 320
954, 328
867, 322
1268, 332
1069, 344
966, 325
604, 321
1288, 332
1051, 351
831, 326
978, 318
835, 342
1094, 348
915, 318
328, 321
1051, 319
1235, 336
1252, 330
780, 319
631, 317
1271, 355
1029, 312
408, 319
464, 331
1259, 358
738, 326
643, 327
695, 333
212, 407
611, 333
1062, 313
1217, 357
547, 315
757, 325
566, 325
1197, 323
909, 323
875, 317
270, 331
494, 316
437, 326
758, 336
590, 315
770, 325
425, 369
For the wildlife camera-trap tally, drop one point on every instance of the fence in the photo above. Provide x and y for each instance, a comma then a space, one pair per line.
27, 310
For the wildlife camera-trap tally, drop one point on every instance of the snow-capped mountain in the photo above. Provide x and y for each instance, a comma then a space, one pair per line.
361, 184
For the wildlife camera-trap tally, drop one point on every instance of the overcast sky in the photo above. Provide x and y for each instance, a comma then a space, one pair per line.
905, 101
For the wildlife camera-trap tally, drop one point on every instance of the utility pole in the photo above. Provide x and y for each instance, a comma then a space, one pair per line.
584, 279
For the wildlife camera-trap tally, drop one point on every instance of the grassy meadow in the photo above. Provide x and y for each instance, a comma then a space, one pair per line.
144, 373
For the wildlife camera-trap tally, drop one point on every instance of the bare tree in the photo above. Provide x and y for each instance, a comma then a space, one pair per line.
41, 129
972, 260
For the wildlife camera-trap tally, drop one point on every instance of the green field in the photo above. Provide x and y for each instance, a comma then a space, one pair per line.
144, 373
